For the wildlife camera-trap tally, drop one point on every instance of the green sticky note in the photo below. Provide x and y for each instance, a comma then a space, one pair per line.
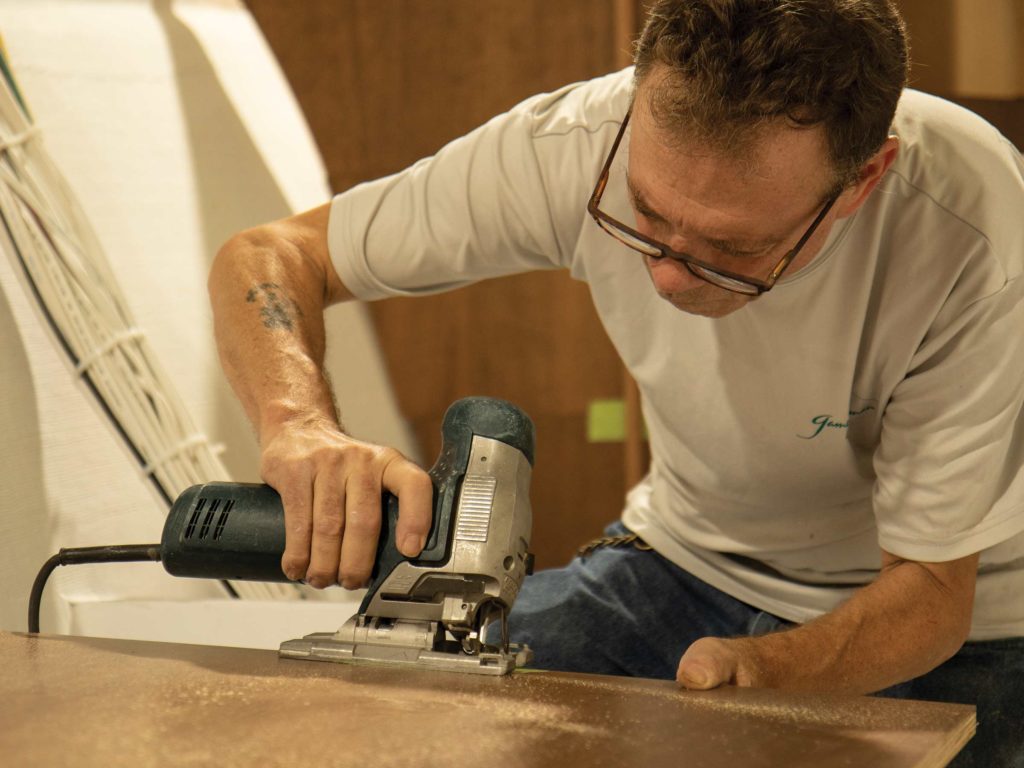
606, 421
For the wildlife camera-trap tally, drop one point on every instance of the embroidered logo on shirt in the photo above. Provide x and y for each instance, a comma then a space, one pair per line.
826, 421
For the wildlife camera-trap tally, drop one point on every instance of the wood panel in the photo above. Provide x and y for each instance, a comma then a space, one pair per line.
1005, 114
937, 30
385, 82
930, 28
91, 702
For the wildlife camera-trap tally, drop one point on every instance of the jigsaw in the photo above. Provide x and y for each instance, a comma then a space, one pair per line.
430, 611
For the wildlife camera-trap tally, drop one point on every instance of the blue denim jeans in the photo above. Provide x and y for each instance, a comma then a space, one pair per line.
626, 611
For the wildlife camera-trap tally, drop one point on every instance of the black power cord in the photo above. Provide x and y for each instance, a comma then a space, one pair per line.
123, 553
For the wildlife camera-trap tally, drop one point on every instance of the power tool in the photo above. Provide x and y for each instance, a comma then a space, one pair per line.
430, 611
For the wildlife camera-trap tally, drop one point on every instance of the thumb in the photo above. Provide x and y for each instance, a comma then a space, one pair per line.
415, 493
707, 663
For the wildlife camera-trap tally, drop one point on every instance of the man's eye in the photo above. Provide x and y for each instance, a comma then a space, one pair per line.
745, 254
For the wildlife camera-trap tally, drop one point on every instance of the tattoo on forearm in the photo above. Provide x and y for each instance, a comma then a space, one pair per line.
277, 311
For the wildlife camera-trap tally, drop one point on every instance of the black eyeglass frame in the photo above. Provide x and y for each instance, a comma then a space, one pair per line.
758, 286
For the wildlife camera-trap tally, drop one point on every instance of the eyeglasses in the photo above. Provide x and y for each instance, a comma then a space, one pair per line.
731, 281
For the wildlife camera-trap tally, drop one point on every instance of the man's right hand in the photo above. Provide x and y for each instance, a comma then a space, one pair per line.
331, 487
268, 290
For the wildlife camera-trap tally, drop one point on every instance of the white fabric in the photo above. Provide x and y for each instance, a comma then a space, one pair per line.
871, 400
234, 623
175, 128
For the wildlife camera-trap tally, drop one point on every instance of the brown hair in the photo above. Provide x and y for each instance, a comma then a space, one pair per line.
727, 66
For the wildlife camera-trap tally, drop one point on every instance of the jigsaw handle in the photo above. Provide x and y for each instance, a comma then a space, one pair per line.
236, 530
486, 417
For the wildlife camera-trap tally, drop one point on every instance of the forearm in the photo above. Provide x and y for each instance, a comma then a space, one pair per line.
268, 322
902, 625
895, 629
268, 288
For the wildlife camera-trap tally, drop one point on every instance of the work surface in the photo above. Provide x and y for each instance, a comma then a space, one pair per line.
93, 702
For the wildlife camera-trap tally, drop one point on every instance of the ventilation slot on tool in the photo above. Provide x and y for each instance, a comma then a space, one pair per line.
214, 504
191, 527
223, 519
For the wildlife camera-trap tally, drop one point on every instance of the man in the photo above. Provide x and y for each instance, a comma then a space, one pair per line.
821, 304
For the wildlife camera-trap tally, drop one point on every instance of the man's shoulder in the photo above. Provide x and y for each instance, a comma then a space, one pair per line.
579, 107
955, 170
944, 145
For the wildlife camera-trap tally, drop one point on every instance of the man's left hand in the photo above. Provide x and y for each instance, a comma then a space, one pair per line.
905, 623
713, 661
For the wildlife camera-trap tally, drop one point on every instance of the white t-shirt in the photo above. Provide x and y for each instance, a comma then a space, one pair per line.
873, 399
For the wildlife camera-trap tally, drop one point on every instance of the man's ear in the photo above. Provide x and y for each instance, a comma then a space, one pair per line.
870, 174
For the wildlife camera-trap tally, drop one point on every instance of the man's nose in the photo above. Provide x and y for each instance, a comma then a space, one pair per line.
672, 276
669, 275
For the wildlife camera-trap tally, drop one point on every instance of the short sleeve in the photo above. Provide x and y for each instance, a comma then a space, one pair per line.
949, 465
477, 209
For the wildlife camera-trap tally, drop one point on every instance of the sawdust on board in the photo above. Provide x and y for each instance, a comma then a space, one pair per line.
871, 713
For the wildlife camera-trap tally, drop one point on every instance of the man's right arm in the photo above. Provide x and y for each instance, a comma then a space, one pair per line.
269, 287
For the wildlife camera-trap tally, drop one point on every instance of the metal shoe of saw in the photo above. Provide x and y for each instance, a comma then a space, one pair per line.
429, 611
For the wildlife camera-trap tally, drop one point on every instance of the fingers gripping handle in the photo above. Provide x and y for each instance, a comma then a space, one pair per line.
236, 530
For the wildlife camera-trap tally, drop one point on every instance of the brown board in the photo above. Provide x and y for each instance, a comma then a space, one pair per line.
94, 702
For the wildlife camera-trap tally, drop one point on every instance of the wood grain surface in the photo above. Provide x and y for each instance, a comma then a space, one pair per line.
93, 702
